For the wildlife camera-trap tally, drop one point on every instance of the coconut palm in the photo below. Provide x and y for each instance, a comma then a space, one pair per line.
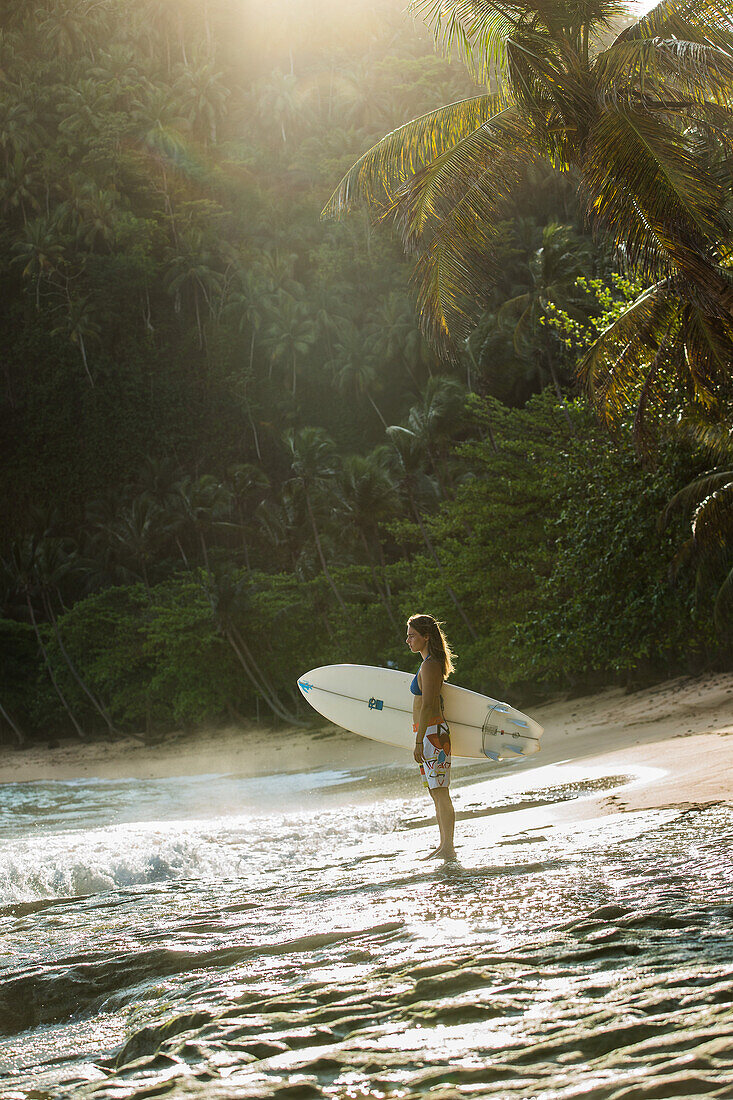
409, 464
202, 97
640, 122
436, 419
313, 464
290, 334
367, 496
191, 275
80, 326
230, 598
354, 368
40, 248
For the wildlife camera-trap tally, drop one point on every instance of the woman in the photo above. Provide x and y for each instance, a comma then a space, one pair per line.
432, 736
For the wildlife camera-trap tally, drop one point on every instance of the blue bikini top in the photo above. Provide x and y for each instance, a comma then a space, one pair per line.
414, 686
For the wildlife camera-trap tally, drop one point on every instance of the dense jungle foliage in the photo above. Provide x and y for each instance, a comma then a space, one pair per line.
228, 453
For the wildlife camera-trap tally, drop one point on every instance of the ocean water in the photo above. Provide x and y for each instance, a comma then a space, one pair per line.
280, 936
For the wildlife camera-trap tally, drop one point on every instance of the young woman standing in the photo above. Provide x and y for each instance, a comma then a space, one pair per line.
432, 736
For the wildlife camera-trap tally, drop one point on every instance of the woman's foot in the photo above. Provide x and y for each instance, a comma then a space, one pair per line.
443, 852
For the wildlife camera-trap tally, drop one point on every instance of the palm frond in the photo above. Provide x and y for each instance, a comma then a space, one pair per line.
615, 367
649, 71
479, 30
485, 162
656, 200
712, 522
457, 268
716, 438
708, 352
690, 496
687, 20
378, 173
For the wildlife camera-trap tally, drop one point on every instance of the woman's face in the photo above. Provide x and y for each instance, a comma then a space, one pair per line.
415, 641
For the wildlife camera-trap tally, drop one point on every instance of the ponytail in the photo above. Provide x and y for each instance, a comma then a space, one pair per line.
438, 646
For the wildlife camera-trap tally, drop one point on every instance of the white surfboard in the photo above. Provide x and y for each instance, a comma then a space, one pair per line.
377, 703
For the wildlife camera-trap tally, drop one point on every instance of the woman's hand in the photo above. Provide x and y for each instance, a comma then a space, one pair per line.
418, 754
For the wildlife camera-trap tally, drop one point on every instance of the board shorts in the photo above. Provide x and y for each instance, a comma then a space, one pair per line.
435, 769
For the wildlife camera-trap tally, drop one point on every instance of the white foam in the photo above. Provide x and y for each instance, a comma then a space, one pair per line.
99, 860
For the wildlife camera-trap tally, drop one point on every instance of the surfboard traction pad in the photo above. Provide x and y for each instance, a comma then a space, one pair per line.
492, 729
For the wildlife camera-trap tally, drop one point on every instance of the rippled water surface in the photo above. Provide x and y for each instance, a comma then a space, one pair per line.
281, 937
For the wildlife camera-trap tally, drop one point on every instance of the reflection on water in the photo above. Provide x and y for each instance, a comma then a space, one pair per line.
280, 937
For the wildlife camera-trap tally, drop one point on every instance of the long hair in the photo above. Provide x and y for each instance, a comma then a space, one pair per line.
438, 646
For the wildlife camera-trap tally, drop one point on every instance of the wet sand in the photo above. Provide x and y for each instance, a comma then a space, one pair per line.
675, 740
236, 933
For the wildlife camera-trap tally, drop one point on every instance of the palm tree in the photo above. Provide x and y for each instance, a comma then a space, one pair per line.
354, 368
638, 121
277, 102
313, 464
250, 484
291, 333
190, 275
20, 184
409, 460
132, 535
201, 506
80, 325
229, 599
40, 249
435, 421
202, 97
367, 496
554, 269
394, 334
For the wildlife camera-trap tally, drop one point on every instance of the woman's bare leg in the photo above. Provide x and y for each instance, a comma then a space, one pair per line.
446, 816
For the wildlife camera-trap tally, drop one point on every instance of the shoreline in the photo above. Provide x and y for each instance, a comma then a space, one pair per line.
679, 734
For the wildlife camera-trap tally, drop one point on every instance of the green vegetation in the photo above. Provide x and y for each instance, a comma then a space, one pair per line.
228, 452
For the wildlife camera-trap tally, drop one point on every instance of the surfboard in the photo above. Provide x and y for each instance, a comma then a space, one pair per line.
376, 703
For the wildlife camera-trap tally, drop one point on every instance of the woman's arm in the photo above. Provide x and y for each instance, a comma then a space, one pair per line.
431, 682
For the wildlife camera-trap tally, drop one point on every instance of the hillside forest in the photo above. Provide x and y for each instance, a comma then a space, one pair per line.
231, 453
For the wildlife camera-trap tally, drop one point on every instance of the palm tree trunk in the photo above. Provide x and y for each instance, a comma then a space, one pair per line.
264, 679
96, 703
383, 564
374, 406
249, 410
83, 350
319, 548
19, 735
49, 669
241, 656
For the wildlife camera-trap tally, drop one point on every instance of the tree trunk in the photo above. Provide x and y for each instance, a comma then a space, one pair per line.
374, 406
19, 735
96, 703
49, 670
276, 709
83, 350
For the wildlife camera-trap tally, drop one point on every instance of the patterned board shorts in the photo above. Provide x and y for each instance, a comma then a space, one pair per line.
435, 770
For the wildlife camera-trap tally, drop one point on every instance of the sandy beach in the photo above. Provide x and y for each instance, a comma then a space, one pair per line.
674, 738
